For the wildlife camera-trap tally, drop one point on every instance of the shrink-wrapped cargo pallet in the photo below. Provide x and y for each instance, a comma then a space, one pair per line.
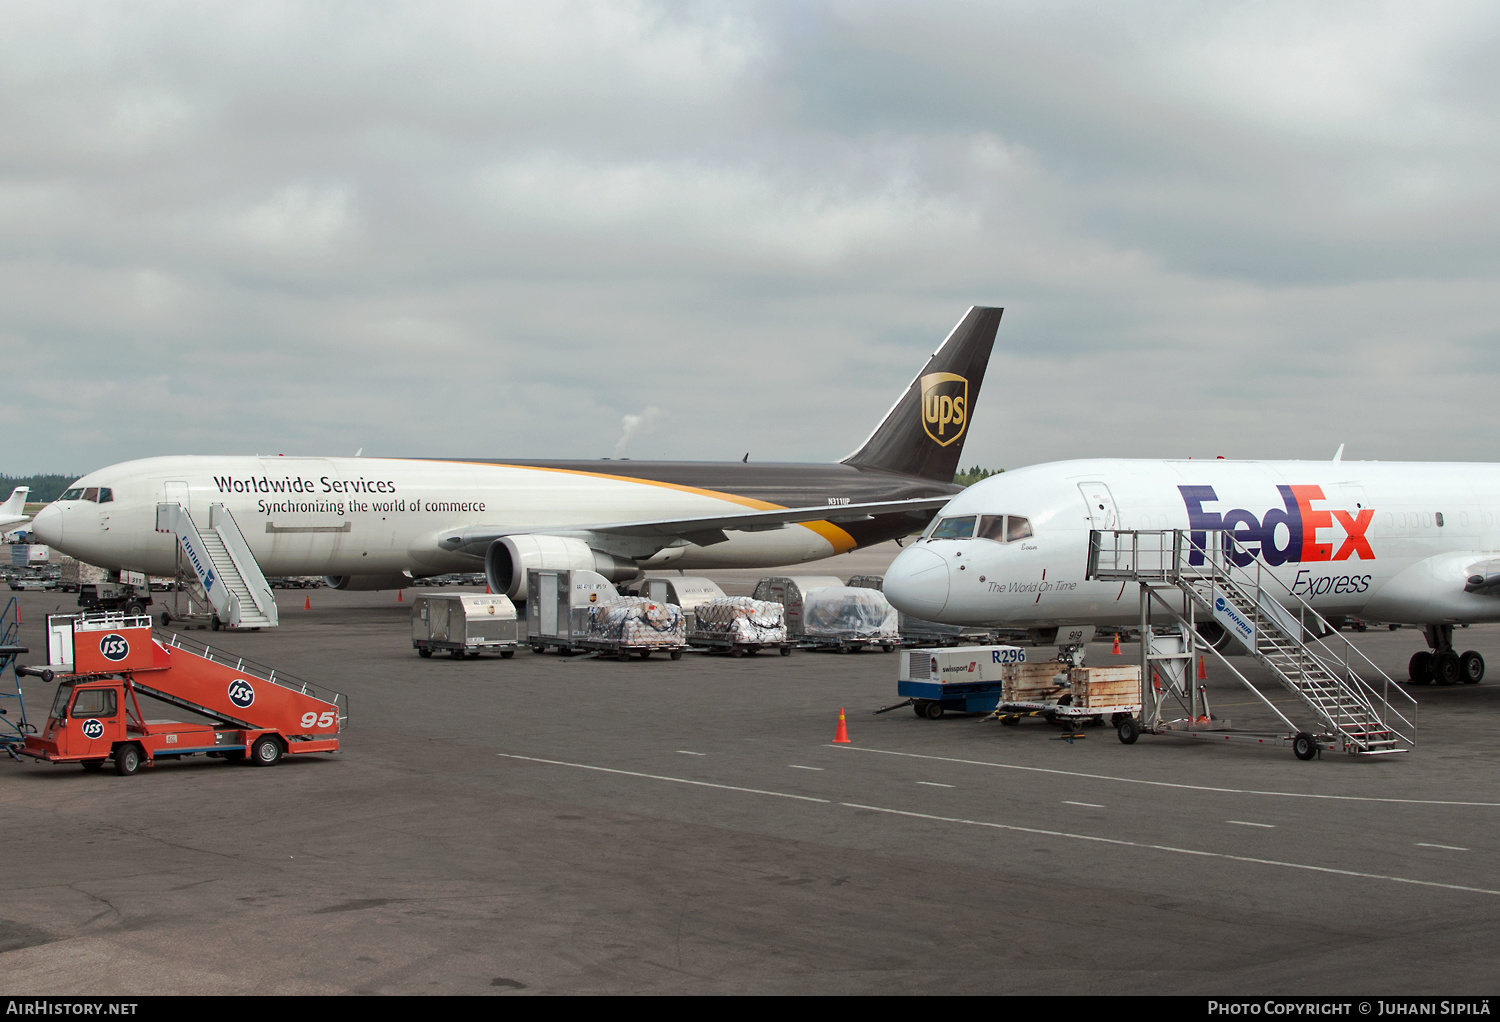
636, 621
1034, 681
741, 619
844, 612
1106, 686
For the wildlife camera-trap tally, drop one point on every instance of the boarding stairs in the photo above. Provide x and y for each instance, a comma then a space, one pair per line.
13, 725
1361, 708
221, 560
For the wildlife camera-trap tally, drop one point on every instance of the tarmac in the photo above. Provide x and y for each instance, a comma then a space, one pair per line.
540, 825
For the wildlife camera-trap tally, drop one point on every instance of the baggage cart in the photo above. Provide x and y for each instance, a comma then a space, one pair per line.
1060, 693
848, 619
919, 632
739, 626
560, 610
464, 624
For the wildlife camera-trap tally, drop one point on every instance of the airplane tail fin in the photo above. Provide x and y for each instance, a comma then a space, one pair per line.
15, 504
923, 433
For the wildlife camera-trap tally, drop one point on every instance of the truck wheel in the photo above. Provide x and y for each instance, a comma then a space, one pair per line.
1304, 746
135, 608
424, 652
919, 707
506, 654
934, 710
92, 765
265, 752
166, 619
676, 654
786, 651
127, 759
1129, 731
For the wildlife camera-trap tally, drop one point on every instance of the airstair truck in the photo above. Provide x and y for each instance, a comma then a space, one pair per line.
111, 659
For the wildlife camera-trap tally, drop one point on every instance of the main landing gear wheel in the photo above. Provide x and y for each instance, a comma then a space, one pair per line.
1445, 668
127, 759
1471, 668
1304, 746
1128, 731
1419, 667
265, 752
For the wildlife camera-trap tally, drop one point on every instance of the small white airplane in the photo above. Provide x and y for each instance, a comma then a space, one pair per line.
376, 523
13, 511
1413, 543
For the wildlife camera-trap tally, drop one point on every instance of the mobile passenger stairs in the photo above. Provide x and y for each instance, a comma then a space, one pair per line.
226, 584
1359, 709
13, 726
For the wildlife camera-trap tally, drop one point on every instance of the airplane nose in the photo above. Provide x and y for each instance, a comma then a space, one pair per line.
917, 583
47, 525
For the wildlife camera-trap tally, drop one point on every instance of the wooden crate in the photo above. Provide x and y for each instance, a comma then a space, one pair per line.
1033, 682
1105, 686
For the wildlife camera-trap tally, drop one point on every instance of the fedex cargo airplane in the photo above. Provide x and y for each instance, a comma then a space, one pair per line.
375, 523
1409, 543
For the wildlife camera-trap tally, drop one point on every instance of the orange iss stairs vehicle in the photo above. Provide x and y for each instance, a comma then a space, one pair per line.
96, 716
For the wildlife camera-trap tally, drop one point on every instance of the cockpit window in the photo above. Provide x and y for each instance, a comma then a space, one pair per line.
106, 495
953, 528
991, 527
1017, 528
74, 494
92, 493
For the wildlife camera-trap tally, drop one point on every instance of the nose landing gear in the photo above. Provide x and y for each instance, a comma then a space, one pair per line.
1441, 664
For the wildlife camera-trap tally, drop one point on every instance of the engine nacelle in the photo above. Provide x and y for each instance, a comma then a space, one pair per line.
366, 583
509, 558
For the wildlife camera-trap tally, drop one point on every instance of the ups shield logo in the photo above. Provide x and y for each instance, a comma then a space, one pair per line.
945, 407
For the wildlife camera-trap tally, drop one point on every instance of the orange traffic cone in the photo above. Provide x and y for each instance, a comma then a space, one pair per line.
487, 591
399, 597
1202, 671
307, 603
1116, 650
841, 736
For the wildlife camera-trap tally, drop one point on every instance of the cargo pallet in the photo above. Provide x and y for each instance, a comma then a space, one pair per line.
621, 651
844, 645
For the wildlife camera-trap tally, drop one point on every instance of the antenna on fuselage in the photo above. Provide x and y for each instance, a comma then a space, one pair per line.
1338, 455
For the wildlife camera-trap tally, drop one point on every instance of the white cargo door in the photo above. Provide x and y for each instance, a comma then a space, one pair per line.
175, 491
1103, 515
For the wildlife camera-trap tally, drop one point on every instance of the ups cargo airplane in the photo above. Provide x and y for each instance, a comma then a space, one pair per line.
370, 523
1410, 543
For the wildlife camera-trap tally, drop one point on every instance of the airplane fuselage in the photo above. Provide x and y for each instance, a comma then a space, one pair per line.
378, 516
1383, 541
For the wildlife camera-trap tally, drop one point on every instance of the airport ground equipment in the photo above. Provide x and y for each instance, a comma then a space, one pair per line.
1356, 707
103, 663
221, 561
1061, 693
962, 679
918, 632
848, 619
13, 724
739, 625
789, 591
687, 592
558, 616
464, 624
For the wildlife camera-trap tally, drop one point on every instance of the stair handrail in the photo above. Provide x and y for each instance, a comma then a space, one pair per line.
1219, 567
244, 560
258, 671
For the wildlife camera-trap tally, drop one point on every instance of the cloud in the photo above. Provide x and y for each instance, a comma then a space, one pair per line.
1259, 229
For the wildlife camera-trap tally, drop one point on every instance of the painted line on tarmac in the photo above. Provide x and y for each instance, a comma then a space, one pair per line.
1176, 851
799, 766
1166, 784
1247, 823
1089, 805
935, 784
1446, 848
1118, 842
660, 777
684, 752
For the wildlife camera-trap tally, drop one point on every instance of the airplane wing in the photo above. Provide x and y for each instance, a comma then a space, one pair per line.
706, 531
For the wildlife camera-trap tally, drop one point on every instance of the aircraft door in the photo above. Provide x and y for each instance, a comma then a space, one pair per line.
175, 491
1103, 515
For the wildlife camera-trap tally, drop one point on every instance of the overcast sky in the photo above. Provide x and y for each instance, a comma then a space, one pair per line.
489, 229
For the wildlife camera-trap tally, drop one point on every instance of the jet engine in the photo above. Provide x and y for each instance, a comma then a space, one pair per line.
509, 558
366, 583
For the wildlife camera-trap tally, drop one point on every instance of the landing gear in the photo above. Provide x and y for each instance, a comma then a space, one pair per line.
1441, 664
